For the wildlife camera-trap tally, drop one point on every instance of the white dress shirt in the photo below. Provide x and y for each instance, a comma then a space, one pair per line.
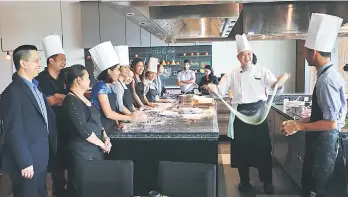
248, 85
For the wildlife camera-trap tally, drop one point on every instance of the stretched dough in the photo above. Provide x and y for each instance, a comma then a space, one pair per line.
257, 118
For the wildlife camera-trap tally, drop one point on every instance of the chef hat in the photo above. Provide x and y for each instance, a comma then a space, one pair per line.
153, 62
242, 43
123, 55
104, 56
322, 32
52, 45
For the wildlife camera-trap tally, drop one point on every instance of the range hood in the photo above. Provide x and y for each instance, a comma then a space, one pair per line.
285, 20
206, 21
182, 21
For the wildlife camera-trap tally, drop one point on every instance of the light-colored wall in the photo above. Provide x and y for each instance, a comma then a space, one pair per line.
279, 56
28, 22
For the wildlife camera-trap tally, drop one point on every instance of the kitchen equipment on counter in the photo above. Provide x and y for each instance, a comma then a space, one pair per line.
294, 106
186, 99
202, 100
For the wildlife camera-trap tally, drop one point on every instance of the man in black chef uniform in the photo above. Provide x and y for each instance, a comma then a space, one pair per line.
52, 84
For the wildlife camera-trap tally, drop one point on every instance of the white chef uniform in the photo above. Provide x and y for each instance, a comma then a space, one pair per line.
248, 85
52, 45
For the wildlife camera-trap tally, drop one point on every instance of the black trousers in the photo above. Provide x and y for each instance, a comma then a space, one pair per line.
60, 164
35, 187
265, 173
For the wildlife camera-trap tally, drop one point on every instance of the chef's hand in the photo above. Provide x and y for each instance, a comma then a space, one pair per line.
122, 126
28, 172
108, 145
151, 105
282, 79
141, 108
139, 117
104, 148
290, 127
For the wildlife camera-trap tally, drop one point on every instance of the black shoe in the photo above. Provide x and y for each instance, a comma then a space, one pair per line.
244, 187
268, 188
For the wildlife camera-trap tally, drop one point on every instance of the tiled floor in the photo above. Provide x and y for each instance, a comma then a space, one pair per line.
228, 180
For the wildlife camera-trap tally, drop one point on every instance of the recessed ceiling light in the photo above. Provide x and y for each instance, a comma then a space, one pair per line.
130, 14
142, 23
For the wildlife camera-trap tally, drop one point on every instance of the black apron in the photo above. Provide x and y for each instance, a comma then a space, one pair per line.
127, 98
323, 173
151, 95
251, 146
139, 89
81, 150
109, 124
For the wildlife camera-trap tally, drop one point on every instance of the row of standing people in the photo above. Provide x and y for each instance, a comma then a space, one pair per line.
50, 124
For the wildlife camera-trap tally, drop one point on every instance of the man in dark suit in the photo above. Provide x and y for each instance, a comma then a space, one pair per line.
29, 126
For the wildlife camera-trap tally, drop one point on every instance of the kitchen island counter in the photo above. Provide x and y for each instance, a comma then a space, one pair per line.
165, 139
172, 128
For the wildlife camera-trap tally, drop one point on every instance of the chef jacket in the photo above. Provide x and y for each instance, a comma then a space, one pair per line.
248, 85
330, 92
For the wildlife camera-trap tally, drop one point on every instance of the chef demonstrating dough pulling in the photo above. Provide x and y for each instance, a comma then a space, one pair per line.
250, 144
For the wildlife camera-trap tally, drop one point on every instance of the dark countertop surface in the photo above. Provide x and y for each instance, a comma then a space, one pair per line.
287, 114
164, 127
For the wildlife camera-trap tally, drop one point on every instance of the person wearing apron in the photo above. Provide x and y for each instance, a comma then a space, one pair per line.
124, 95
324, 168
119, 87
87, 139
151, 92
137, 87
250, 144
102, 96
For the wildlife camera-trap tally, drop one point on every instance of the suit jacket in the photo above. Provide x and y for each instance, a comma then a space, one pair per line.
27, 139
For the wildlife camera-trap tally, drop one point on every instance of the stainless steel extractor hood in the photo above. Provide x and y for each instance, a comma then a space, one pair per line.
285, 20
182, 21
